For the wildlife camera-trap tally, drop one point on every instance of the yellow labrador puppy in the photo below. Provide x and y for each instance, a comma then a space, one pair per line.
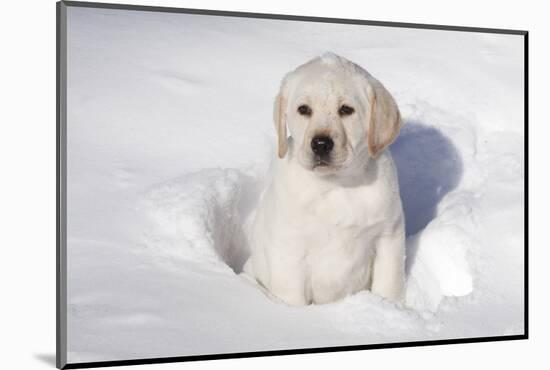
331, 223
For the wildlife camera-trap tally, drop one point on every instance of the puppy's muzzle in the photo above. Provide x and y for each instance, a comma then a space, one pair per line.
322, 145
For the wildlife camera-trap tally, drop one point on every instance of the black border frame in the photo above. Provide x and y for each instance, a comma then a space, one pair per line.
61, 200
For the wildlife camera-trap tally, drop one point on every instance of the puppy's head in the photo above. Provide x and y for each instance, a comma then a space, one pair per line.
335, 111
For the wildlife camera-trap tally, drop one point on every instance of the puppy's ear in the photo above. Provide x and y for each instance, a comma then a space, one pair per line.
384, 119
279, 116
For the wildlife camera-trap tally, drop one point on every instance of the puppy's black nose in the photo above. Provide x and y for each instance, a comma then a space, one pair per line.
322, 145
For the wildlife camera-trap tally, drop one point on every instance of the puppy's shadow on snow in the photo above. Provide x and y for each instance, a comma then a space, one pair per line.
429, 166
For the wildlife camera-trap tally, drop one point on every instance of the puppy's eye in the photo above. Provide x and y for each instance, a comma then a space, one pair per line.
345, 110
304, 110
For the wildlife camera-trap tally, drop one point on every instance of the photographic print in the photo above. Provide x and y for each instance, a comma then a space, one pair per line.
239, 184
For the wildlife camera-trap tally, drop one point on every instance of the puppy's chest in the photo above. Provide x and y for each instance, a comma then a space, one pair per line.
341, 209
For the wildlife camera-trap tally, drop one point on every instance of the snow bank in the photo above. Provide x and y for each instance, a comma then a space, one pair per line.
198, 218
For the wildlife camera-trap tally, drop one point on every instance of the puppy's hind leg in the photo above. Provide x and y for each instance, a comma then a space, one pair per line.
292, 294
289, 284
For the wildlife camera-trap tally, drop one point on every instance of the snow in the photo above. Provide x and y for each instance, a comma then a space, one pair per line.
170, 137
